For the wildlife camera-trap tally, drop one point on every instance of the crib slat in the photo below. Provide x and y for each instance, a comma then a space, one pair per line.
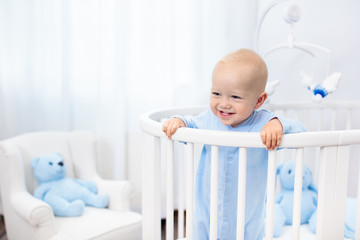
270, 195
332, 192
297, 194
285, 112
169, 190
357, 229
324, 225
181, 200
241, 194
151, 201
348, 119
189, 155
316, 168
341, 189
320, 120
333, 118
214, 192
296, 114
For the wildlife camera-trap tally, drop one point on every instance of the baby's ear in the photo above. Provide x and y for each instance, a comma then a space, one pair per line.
261, 99
34, 161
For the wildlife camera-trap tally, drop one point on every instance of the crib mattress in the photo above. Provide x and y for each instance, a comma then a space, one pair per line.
305, 233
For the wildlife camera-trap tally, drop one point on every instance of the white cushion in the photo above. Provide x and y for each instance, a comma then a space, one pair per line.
100, 224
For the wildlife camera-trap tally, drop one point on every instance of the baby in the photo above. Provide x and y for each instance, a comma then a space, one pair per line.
238, 85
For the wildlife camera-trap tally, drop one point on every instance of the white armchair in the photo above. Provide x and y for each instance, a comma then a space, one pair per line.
29, 218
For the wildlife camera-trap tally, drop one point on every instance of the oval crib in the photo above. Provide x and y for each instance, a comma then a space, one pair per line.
172, 164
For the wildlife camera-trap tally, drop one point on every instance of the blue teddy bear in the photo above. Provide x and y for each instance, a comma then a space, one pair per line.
283, 209
66, 196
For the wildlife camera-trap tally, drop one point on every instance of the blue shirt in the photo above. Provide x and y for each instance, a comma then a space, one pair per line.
228, 177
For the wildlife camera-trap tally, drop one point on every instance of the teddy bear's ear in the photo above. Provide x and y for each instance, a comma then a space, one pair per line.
34, 161
312, 187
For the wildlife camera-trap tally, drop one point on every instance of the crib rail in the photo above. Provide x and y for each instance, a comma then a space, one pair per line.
332, 190
348, 108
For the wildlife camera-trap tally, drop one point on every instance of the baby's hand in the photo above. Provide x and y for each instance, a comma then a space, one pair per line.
271, 134
170, 126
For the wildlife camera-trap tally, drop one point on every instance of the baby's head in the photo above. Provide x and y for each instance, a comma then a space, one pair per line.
238, 85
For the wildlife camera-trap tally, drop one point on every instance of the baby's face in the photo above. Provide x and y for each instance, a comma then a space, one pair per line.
233, 96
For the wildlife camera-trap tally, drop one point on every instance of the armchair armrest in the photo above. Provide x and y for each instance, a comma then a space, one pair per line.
120, 192
32, 210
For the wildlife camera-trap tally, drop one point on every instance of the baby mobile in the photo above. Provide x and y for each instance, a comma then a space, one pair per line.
291, 15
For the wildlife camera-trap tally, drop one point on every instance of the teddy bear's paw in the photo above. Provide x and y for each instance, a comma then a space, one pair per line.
102, 201
312, 222
72, 209
277, 231
279, 220
76, 208
92, 186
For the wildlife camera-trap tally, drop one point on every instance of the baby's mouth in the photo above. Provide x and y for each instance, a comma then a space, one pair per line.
225, 114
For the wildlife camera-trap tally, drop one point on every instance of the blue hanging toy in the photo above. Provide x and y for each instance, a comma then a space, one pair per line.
320, 91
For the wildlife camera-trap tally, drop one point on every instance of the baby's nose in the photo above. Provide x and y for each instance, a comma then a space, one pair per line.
225, 103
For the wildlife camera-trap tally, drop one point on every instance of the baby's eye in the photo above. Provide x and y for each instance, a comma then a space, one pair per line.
235, 97
215, 93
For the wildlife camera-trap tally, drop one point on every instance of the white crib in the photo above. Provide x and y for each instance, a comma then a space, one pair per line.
330, 151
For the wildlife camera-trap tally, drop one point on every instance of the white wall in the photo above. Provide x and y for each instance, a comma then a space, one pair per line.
333, 24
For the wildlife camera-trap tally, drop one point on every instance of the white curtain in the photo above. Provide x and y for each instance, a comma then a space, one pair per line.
98, 64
